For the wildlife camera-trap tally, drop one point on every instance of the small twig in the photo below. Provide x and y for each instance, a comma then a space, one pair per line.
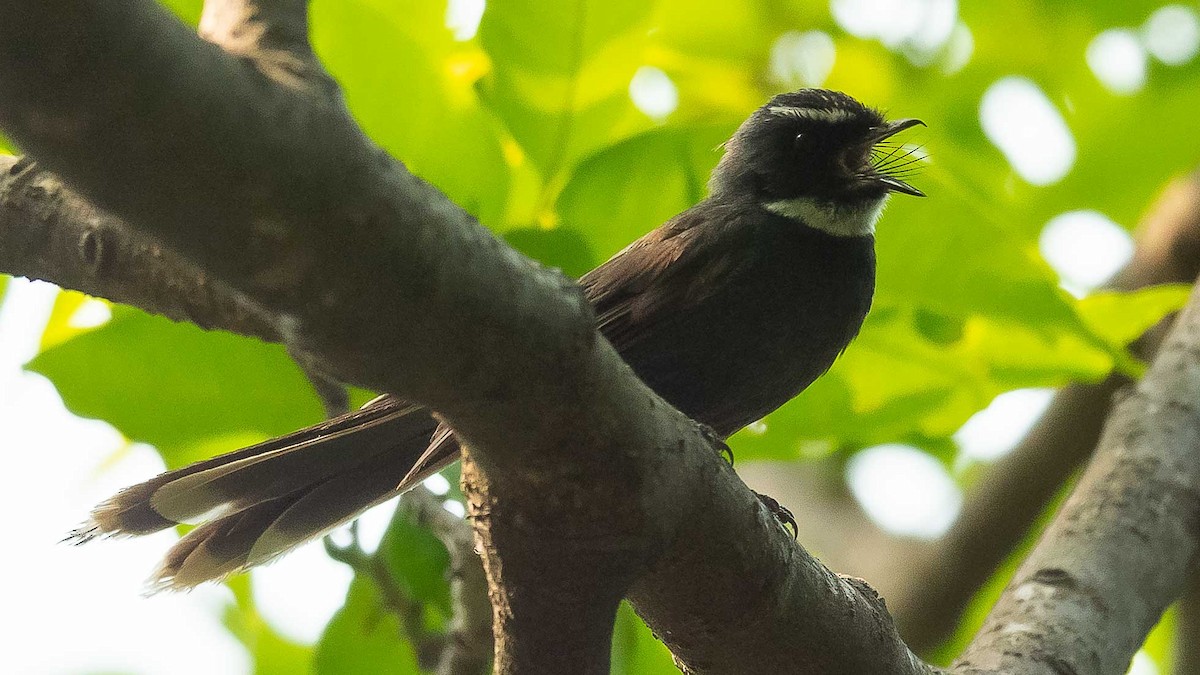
468, 645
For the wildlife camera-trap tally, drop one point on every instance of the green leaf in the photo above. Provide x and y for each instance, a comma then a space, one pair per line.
411, 86
561, 247
635, 650
556, 37
1121, 318
273, 654
176, 386
417, 560
187, 10
628, 189
560, 72
362, 638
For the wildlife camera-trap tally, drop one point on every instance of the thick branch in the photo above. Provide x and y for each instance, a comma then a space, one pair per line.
49, 232
1122, 548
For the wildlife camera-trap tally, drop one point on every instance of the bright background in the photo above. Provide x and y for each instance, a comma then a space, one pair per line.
571, 130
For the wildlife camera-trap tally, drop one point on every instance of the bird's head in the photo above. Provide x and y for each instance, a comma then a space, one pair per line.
815, 155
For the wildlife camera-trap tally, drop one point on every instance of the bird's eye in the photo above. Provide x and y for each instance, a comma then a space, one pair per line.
799, 139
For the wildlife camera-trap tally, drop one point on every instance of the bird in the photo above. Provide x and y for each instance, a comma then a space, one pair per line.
727, 311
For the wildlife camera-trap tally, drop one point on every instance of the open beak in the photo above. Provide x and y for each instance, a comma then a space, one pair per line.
892, 128
887, 131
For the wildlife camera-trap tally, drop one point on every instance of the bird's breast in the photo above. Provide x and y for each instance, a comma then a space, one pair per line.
765, 334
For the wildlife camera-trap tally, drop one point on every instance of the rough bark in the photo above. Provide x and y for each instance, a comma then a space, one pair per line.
49, 232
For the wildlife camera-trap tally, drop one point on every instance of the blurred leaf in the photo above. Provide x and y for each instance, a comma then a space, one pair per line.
556, 38
635, 649
960, 263
362, 638
628, 189
560, 73
1121, 318
1159, 642
410, 85
272, 653
561, 247
187, 10
59, 327
417, 560
1020, 354
174, 385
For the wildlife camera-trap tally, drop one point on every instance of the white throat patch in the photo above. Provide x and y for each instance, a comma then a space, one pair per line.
838, 220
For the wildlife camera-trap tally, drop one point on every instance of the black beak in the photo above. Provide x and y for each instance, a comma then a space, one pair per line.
892, 128
897, 185
887, 131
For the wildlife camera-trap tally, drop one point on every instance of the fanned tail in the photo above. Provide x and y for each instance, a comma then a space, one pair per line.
259, 502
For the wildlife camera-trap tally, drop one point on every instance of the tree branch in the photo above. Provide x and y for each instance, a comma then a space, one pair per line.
1122, 547
49, 232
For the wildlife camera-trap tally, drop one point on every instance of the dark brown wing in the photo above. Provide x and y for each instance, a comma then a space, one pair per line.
658, 278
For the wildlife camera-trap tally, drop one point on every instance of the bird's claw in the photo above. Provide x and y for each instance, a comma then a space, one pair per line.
714, 439
781, 513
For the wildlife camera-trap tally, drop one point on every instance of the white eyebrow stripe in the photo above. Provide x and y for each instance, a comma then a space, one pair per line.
812, 114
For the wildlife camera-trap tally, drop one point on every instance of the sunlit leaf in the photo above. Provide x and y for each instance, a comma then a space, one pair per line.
1122, 317
63, 324
272, 653
187, 10
635, 649
174, 385
560, 74
632, 187
411, 86
362, 638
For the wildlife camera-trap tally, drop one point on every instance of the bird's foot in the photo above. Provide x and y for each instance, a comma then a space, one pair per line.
781, 513
714, 439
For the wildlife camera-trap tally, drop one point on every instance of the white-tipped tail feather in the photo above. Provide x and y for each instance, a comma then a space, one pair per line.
260, 502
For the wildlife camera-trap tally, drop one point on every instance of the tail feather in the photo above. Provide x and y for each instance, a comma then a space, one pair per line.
264, 500
214, 550
130, 511
243, 483
269, 529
